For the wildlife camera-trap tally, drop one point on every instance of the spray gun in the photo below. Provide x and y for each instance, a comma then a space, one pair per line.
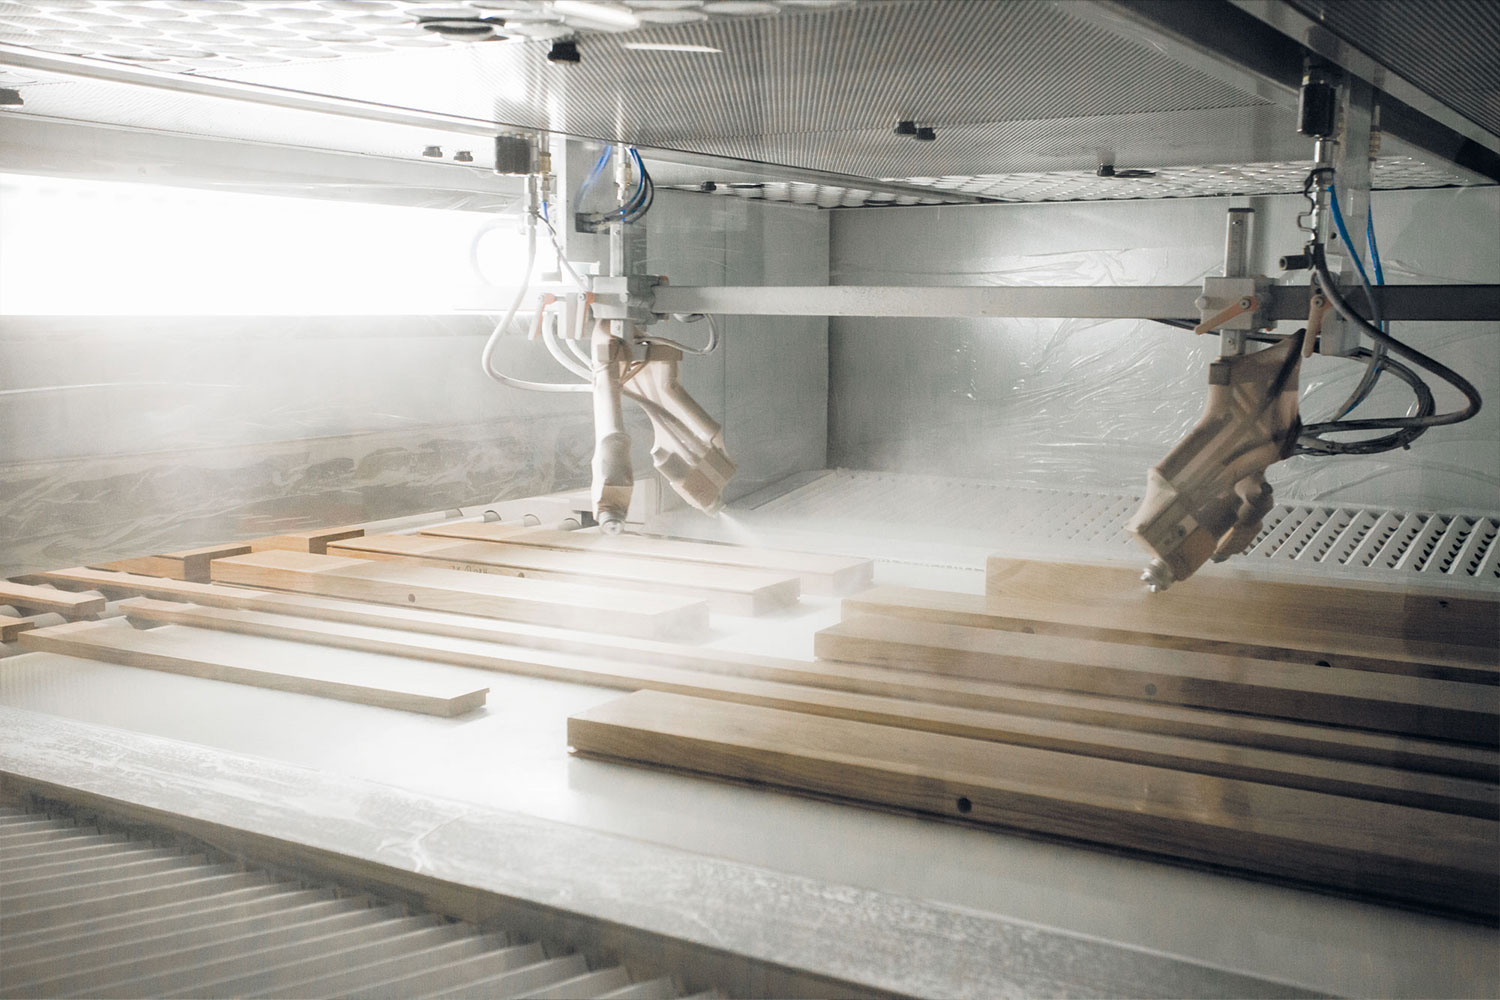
688, 447
1207, 498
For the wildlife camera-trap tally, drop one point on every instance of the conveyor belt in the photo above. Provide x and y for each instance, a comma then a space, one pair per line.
87, 912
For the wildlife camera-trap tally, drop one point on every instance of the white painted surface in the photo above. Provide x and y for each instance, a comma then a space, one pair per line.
512, 755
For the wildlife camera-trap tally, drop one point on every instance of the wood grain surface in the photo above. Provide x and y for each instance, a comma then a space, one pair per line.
1429, 756
1369, 848
728, 589
189, 564
314, 541
820, 574
387, 682
1356, 608
65, 603
11, 626
1413, 706
1085, 620
621, 610
1202, 756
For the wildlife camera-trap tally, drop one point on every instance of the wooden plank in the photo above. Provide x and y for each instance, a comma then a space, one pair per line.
1080, 620
189, 564
819, 573
727, 589
1369, 848
624, 611
1292, 770
1259, 604
387, 682
10, 627
70, 605
1413, 706
314, 542
1378, 749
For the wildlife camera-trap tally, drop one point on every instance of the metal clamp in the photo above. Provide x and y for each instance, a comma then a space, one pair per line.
626, 297
1235, 304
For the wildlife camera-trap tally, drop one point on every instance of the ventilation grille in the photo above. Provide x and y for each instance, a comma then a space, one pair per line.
87, 912
1329, 541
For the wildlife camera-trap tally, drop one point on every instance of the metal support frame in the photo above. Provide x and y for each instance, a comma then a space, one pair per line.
1351, 164
1286, 302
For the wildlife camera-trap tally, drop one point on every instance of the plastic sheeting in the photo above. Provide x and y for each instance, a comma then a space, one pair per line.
122, 435
1091, 404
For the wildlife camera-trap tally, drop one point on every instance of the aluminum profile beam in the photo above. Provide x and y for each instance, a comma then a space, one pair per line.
1289, 302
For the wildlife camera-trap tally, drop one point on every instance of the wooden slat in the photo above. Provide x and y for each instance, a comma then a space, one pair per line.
1292, 770
1236, 729
1081, 620
728, 589
189, 564
10, 627
1413, 706
70, 605
1369, 848
820, 574
315, 541
622, 610
1263, 605
384, 682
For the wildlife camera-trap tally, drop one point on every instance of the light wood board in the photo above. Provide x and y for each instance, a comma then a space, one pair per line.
820, 574
1369, 848
189, 564
1258, 604
65, 603
1413, 706
1379, 749
315, 541
620, 610
1292, 770
1085, 621
10, 627
385, 682
728, 589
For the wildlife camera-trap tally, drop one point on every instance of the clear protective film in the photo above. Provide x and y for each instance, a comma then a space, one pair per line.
1092, 404
182, 366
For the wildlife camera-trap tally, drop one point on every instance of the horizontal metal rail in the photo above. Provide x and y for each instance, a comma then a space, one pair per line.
1288, 302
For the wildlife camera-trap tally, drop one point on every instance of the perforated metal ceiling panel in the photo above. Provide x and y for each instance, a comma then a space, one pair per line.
1449, 48
1027, 98
1008, 86
1386, 174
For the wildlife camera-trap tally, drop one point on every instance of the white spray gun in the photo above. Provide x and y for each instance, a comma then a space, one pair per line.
688, 449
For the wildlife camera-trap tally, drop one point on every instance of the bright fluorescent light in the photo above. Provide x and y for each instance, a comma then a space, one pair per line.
606, 15
668, 47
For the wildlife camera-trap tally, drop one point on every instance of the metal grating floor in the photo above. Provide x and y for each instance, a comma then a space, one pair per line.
86, 912
1333, 541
